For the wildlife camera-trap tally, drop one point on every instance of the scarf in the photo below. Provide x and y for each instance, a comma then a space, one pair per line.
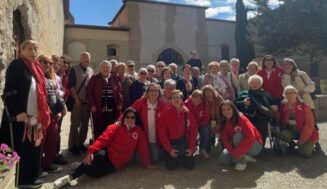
43, 111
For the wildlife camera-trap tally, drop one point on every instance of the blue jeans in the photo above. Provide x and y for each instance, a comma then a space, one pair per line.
204, 132
225, 158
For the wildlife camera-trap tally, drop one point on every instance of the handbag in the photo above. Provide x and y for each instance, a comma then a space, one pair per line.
263, 109
181, 144
71, 101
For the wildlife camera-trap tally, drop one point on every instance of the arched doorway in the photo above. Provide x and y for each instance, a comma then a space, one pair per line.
18, 32
170, 55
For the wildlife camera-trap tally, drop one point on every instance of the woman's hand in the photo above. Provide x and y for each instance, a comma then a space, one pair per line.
173, 153
247, 101
88, 159
22, 117
189, 153
274, 108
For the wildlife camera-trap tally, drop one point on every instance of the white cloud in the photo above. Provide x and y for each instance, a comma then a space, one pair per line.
251, 14
198, 2
162, 0
211, 12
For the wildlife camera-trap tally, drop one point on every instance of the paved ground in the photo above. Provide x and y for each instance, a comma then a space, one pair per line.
270, 171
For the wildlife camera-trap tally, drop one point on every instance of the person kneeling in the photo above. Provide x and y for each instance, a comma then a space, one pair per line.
297, 123
112, 150
240, 138
177, 132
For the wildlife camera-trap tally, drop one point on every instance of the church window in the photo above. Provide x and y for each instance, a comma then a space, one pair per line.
224, 52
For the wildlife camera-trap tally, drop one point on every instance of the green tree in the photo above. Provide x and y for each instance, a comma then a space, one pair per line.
244, 47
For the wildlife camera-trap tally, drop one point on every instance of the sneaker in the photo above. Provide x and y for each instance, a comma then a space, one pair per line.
43, 174
240, 166
249, 159
62, 181
52, 169
36, 184
59, 160
205, 154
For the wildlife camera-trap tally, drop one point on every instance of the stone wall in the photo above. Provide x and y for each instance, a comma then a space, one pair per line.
42, 20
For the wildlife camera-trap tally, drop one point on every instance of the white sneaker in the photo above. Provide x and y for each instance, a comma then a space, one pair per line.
249, 159
205, 154
240, 166
62, 181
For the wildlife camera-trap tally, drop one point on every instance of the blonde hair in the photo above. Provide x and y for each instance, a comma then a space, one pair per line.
51, 74
28, 42
176, 91
197, 93
121, 64
253, 63
212, 64
146, 94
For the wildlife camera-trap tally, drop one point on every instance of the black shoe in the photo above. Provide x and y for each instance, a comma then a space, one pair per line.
75, 151
319, 151
36, 184
82, 148
291, 146
52, 169
59, 160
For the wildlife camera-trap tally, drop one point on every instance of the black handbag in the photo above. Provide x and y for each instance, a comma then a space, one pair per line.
181, 144
71, 101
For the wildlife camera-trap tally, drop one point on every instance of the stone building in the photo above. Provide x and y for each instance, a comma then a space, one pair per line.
41, 20
147, 31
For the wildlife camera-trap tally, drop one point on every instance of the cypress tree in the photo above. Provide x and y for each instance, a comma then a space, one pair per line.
244, 47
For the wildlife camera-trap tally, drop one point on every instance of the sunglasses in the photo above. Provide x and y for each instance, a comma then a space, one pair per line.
46, 62
130, 117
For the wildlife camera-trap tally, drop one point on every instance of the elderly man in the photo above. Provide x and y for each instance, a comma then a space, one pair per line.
105, 99
131, 70
78, 77
197, 78
235, 67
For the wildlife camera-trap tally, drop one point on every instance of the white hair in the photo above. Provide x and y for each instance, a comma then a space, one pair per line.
143, 70
85, 53
173, 64
290, 88
234, 60
150, 66
106, 62
255, 78
170, 82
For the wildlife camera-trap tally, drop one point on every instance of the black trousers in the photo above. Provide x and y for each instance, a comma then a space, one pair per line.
182, 160
100, 166
261, 121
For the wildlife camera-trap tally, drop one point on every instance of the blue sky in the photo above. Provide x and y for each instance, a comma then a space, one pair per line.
100, 12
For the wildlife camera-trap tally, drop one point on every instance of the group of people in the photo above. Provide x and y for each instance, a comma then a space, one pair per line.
151, 115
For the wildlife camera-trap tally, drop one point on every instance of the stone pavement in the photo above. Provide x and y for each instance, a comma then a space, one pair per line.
271, 171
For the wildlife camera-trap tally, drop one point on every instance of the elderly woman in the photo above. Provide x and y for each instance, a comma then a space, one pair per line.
229, 88
297, 122
186, 84
169, 86
177, 132
139, 86
195, 104
105, 99
271, 74
166, 74
212, 78
112, 151
25, 97
240, 138
151, 69
58, 109
159, 67
150, 107
125, 82
249, 101
252, 69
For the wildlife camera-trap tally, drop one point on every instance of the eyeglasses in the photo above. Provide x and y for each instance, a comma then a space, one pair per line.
66, 62
143, 73
129, 117
46, 62
131, 66
151, 71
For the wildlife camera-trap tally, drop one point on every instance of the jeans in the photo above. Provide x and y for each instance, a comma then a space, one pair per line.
204, 132
225, 158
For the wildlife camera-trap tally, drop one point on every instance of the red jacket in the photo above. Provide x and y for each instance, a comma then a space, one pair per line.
171, 126
250, 135
94, 92
304, 121
200, 112
141, 106
273, 85
121, 144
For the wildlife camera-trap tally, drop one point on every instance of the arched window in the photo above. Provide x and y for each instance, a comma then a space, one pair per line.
170, 55
18, 32
224, 52
112, 51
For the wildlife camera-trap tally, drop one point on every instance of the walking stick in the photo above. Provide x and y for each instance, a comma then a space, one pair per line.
11, 120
